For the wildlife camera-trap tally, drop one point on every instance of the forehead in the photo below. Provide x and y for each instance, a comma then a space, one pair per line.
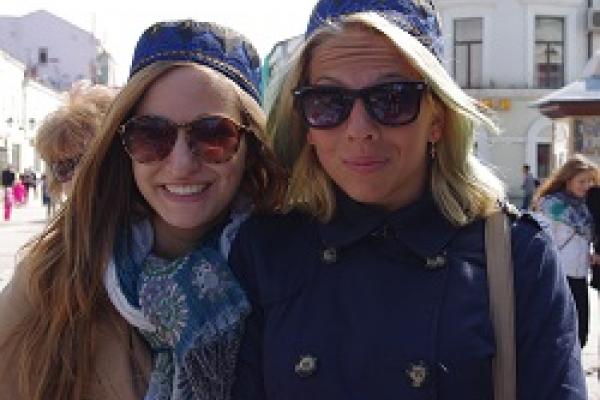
187, 91
584, 175
358, 56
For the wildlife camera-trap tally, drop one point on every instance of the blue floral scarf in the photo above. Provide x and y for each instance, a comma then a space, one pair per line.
190, 310
569, 210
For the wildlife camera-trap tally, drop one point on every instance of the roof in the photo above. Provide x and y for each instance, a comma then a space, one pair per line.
581, 97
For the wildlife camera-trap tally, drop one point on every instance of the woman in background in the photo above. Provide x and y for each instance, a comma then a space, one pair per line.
561, 201
66, 133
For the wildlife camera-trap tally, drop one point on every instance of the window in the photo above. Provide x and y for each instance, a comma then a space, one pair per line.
549, 52
43, 55
468, 56
543, 160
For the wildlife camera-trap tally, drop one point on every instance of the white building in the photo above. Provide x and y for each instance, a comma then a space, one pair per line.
509, 53
56, 51
23, 105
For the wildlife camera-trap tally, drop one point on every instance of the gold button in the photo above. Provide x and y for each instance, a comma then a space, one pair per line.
417, 374
435, 262
329, 255
306, 366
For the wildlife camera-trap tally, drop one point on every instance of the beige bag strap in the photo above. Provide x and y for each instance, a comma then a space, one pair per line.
500, 272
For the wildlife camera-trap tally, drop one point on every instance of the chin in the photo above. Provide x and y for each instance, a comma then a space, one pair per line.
365, 196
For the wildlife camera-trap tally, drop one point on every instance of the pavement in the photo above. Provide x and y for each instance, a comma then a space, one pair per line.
29, 220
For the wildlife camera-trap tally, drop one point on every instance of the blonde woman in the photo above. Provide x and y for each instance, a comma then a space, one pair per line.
65, 134
127, 294
373, 284
561, 202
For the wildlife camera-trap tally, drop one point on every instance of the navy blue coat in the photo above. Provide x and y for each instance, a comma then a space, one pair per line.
377, 305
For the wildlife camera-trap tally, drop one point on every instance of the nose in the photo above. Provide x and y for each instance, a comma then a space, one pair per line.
360, 125
181, 160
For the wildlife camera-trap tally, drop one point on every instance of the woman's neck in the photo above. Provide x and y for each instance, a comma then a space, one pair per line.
171, 242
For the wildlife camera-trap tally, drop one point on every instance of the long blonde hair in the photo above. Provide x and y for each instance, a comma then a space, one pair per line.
65, 265
462, 187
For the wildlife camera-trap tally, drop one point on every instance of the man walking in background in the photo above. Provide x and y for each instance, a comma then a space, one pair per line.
528, 187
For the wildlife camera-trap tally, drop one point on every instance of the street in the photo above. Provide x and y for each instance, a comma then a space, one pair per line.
29, 220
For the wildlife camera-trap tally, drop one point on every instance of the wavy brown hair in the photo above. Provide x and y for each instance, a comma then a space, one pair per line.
557, 181
64, 266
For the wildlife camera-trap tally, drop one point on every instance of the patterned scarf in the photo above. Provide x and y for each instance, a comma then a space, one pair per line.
569, 210
190, 310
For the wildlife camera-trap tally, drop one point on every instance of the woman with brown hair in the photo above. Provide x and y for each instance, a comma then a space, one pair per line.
127, 294
561, 203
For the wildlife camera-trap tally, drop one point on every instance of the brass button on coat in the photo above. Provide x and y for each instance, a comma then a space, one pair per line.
306, 366
435, 262
329, 255
417, 374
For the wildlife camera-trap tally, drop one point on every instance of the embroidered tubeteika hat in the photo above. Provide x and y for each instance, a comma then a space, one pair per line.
206, 43
417, 17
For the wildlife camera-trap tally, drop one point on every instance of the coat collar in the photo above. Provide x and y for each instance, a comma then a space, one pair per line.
420, 225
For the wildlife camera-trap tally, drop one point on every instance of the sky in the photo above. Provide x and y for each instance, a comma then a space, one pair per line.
119, 23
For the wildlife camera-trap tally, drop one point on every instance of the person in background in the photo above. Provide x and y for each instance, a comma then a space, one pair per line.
29, 181
127, 294
372, 283
46, 199
19, 190
593, 203
8, 179
8, 203
528, 186
561, 203
66, 133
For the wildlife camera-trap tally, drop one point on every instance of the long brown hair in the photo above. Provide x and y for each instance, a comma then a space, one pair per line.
64, 266
557, 181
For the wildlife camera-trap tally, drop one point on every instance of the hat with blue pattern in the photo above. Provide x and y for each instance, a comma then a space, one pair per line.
205, 43
417, 17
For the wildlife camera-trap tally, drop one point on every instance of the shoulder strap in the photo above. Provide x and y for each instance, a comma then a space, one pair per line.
500, 273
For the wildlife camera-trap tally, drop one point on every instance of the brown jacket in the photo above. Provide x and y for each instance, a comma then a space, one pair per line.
122, 363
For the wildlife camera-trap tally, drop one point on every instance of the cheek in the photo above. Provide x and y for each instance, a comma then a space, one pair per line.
232, 172
322, 142
140, 175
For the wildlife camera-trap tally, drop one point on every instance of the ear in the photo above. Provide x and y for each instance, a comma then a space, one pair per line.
438, 121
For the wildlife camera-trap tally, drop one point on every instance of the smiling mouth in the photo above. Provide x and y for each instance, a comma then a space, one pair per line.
185, 190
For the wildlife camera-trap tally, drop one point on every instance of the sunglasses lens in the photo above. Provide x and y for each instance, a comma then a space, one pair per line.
63, 170
395, 103
214, 139
148, 139
324, 107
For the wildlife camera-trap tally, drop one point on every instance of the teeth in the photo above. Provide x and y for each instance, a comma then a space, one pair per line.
184, 190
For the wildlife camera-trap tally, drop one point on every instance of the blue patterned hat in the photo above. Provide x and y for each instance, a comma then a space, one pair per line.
417, 17
205, 43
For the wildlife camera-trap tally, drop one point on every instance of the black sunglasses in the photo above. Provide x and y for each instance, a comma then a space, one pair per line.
212, 138
390, 104
63, 170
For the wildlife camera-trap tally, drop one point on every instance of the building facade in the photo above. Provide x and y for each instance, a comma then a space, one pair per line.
55, 51
509, 53
23, 105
